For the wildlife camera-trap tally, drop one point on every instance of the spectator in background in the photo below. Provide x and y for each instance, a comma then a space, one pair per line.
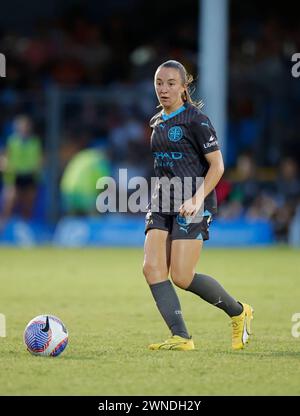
21, 166
288, 182
287, 197
79, 180
244, 190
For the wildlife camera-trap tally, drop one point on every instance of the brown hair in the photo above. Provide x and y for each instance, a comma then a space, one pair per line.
186, 78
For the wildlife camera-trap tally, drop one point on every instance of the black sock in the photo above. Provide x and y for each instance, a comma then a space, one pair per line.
168, 304
210, 290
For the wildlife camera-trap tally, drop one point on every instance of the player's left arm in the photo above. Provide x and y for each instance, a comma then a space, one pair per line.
215, 171
213, 176
205, 140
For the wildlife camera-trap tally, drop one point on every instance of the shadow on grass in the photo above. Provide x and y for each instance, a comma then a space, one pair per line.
283, 354
145, 353
76, 357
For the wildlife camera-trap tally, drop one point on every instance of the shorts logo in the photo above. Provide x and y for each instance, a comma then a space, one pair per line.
175, 134
183, 223
149, 219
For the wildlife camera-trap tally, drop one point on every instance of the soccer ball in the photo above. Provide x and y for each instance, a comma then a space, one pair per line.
46, 335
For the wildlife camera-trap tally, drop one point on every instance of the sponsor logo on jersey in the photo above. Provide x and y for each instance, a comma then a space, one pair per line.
175, 134
212, 141
166, 159
168, 155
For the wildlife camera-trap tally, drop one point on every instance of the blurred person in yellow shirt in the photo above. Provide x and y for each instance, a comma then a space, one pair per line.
21, 165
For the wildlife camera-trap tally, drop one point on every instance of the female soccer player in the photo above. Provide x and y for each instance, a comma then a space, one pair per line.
184, 145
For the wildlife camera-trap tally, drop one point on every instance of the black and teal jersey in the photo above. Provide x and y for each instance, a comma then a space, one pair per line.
179, 143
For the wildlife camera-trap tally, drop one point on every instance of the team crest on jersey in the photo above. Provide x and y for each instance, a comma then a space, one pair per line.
175, 134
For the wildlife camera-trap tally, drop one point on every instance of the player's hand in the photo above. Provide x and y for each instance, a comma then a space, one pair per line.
190, 207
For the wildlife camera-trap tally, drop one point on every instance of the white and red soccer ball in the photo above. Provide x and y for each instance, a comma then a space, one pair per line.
46, 335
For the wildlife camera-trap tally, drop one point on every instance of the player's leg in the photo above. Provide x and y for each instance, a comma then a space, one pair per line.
156, 256
156, 271
27, 198
186, 247
184, 257
9, 202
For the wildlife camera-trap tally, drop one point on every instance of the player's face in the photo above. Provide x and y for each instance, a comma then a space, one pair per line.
169, 88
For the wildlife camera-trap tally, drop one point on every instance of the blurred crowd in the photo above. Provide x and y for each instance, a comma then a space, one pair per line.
256, 193
78, 52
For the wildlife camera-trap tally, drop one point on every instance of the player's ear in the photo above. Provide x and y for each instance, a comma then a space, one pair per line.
184, 96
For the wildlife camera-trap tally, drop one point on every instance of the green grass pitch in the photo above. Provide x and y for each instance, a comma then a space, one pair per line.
103, 299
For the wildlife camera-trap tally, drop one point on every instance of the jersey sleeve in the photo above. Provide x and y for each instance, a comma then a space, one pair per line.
203, 135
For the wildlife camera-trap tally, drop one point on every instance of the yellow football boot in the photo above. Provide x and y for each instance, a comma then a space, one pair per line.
241, 327
176, 343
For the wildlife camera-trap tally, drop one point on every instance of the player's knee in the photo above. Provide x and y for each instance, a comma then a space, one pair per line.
153, 273
180, 278
146, 269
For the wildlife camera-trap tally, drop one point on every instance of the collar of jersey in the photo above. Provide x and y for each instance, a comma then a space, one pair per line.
173, 114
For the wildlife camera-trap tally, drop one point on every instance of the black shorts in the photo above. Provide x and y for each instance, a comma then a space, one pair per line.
178, 227
25, 181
